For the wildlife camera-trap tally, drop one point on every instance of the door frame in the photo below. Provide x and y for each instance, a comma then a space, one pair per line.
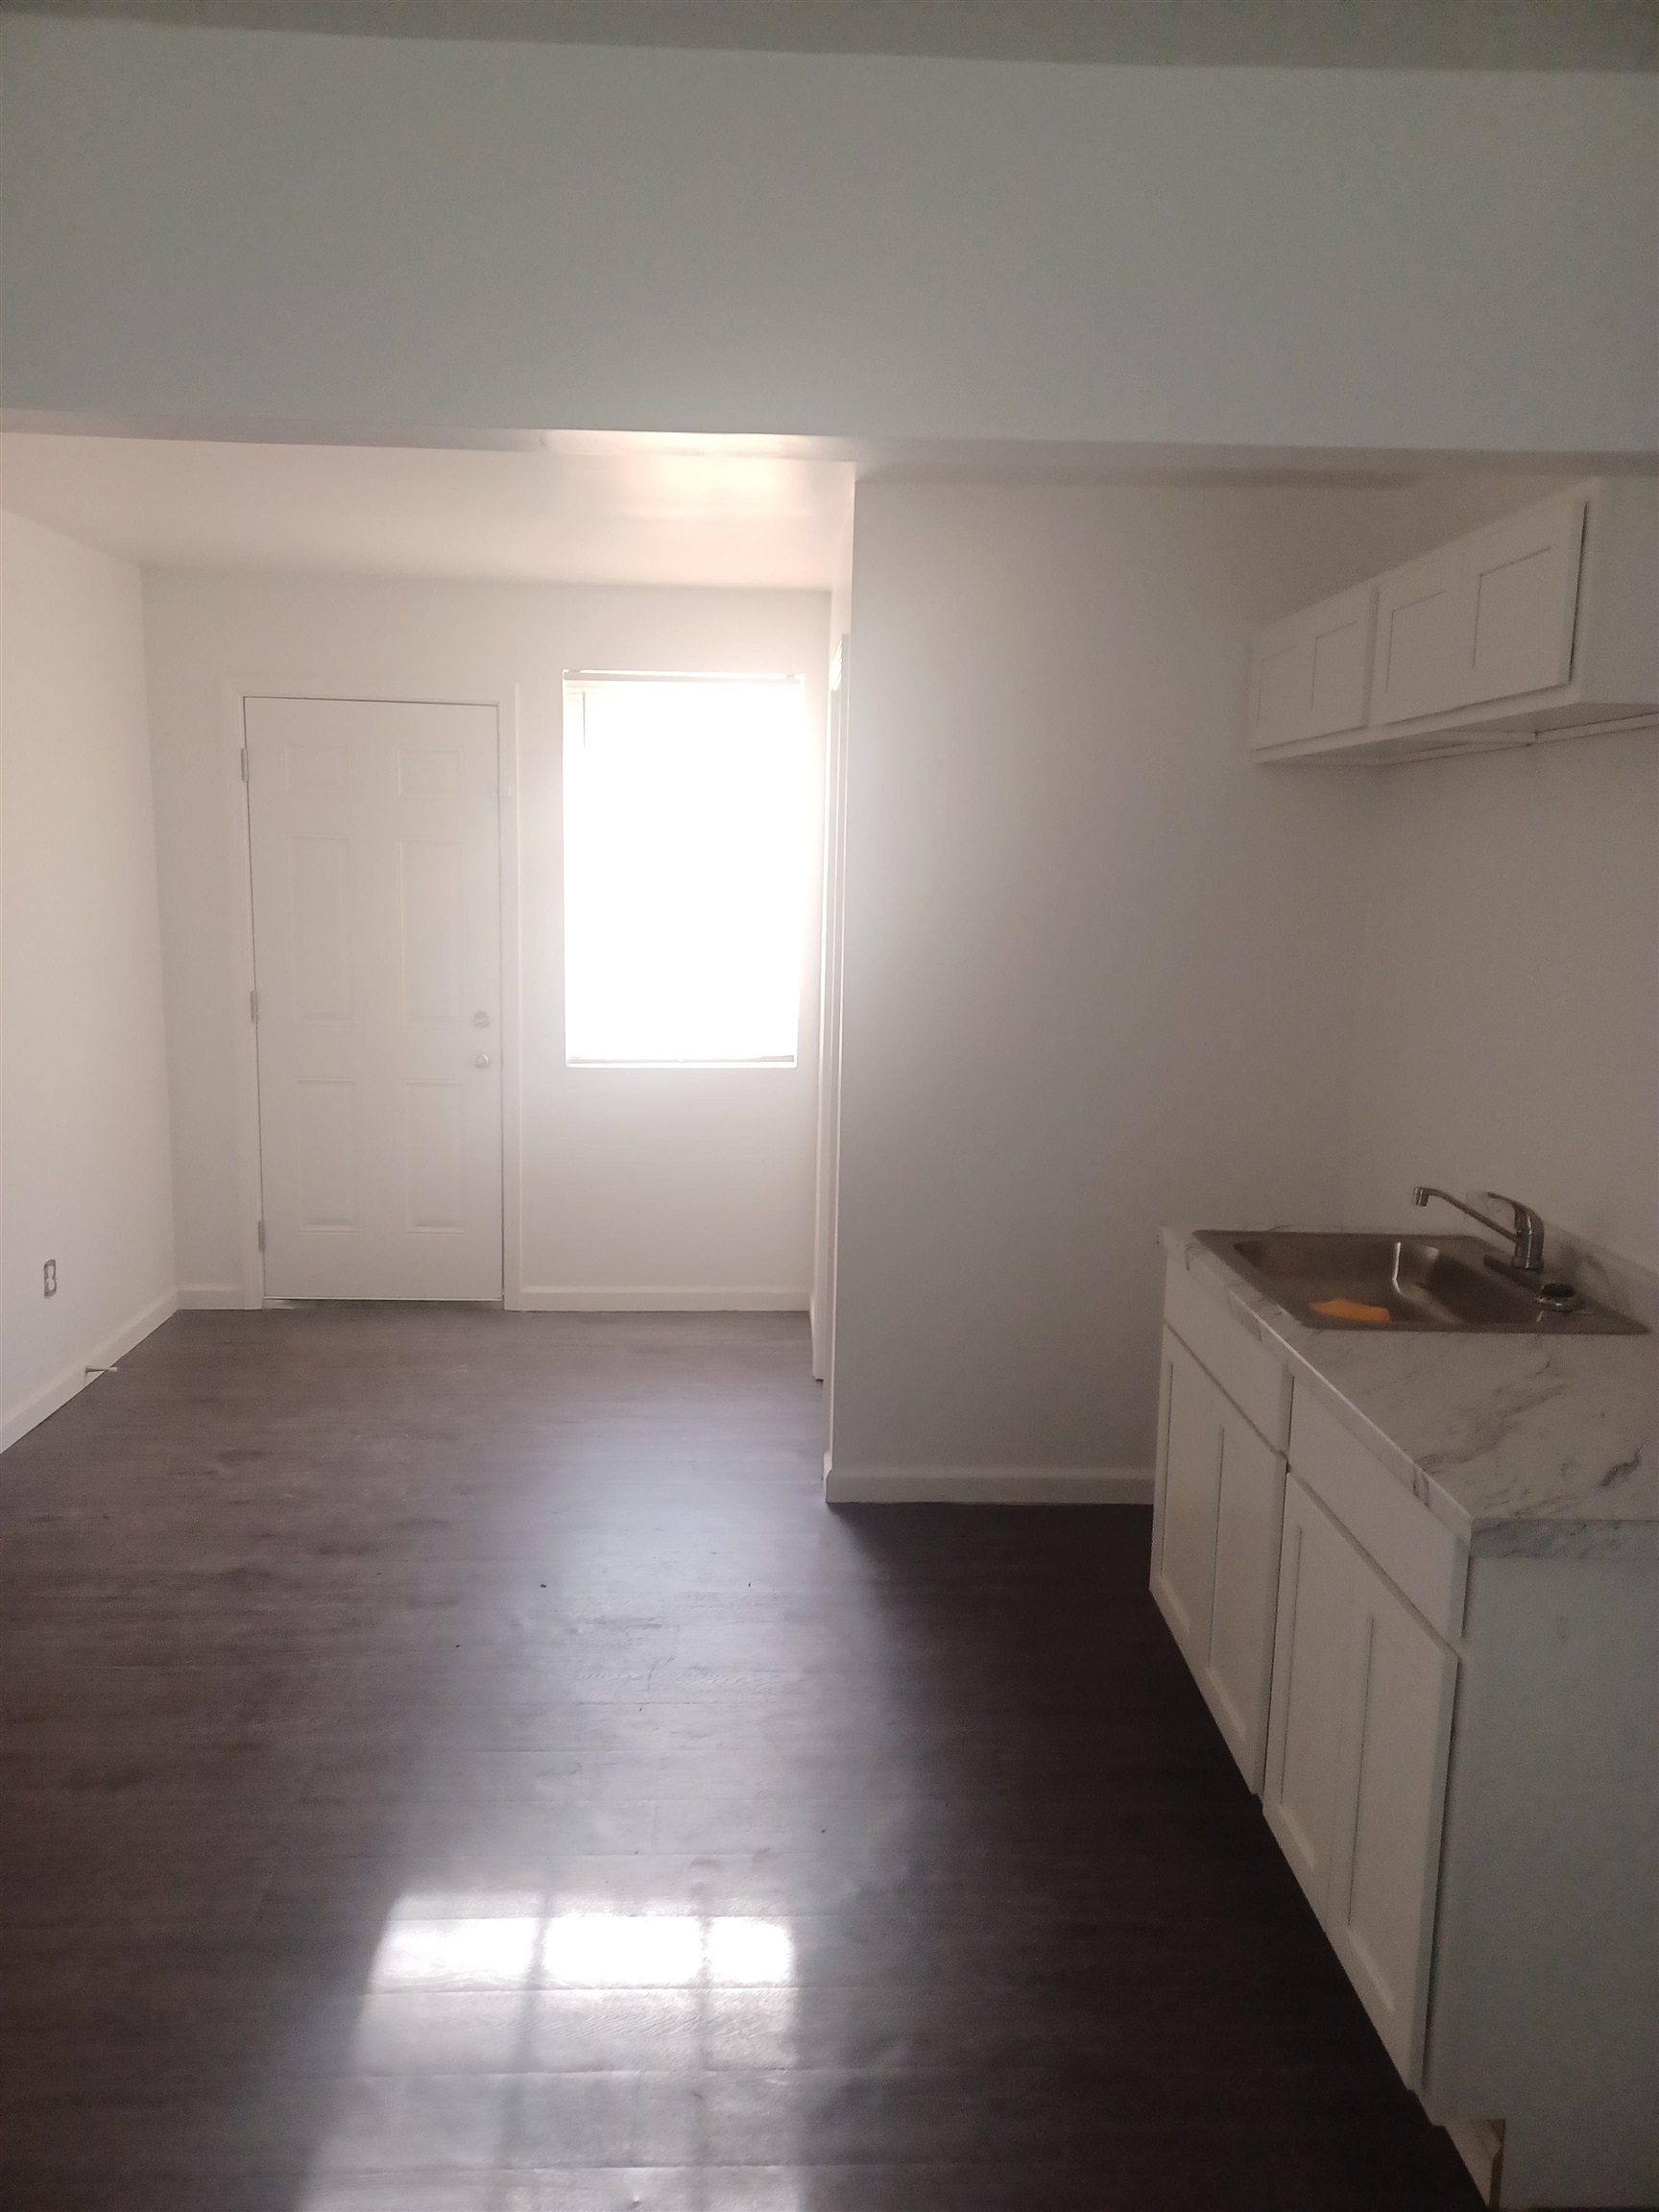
234, 692
832, 909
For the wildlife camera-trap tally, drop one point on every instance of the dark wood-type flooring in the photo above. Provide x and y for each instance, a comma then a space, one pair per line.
453, 1762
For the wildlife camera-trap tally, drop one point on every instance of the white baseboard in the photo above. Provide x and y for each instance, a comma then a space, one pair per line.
210, 1297
987, 1485
558, 1298
40, 1404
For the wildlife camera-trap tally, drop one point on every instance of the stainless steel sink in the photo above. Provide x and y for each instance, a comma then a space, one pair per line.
1411, 1283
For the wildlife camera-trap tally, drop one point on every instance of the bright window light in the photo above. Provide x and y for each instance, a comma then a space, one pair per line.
686, 857
540, 1983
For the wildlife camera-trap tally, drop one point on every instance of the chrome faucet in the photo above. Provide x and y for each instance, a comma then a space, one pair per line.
1525, 1231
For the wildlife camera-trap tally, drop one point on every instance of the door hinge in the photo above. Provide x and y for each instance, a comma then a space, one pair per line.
253, 1006
244, 763
261, 1235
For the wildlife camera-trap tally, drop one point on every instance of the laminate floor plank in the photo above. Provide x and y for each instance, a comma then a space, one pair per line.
452, 1761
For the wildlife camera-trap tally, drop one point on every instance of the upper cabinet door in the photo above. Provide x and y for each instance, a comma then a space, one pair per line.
1486, 618
1310, 673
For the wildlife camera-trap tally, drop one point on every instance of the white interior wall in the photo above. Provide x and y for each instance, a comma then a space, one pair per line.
637, 1183
244, 227
1438, 508
1508, 995
83, 1114
1100, 967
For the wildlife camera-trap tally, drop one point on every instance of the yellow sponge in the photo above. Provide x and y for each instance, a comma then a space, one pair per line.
1349, 1309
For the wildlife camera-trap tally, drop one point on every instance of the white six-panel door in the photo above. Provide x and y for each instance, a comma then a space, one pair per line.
375, 844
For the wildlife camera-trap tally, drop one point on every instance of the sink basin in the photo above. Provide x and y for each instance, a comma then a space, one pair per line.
1380, 1281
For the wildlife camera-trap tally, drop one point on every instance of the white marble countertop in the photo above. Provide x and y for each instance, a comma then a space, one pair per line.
1524, 1446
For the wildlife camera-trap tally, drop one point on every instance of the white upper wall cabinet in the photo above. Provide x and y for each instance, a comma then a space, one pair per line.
1485, 618
1537, 625
1309, 674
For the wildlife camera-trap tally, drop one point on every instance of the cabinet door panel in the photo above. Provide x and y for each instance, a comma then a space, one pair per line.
1391, 1792
1340, 673
1189, 1496
1161, 1475
1524, 598
1239, 1661
1310, 1650
1311, 673
1278, 694
1489, 618
1421, 612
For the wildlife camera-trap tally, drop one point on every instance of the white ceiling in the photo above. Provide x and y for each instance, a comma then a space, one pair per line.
1318, 34
767, 513
629, 512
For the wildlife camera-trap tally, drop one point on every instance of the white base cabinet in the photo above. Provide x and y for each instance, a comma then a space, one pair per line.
1218, 1494
1360, 1729
1458, 1757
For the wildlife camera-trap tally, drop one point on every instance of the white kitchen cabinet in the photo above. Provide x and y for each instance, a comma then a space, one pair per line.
1239, 1660
1187, 1488
1486, 618
1310, 1685
1217, 1498
1488, 1887
1310, 674
1536, 625
1356, 1753
1391, 1802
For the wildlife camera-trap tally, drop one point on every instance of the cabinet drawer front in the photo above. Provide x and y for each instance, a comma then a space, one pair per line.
1250, 1375
1418, 1554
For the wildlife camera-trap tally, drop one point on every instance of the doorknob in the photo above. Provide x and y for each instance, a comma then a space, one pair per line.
482, 1060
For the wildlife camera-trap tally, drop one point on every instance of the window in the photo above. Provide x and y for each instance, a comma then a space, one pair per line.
687, 870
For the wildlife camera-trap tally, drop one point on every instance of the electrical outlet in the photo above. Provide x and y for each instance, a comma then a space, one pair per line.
49, 1273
